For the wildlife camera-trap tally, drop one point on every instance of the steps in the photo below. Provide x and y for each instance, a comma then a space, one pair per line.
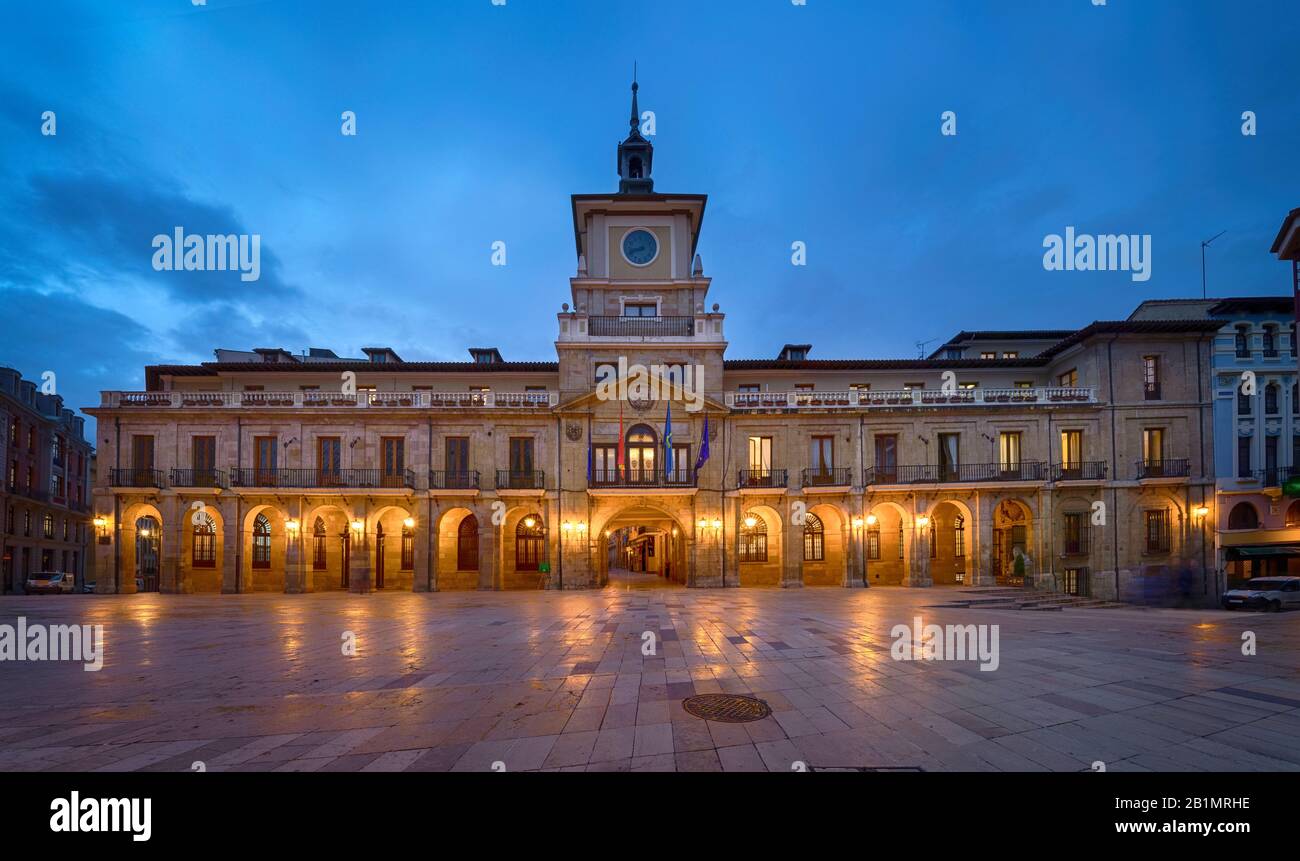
1007, 598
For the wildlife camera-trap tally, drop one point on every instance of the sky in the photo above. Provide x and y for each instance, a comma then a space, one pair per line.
818, 123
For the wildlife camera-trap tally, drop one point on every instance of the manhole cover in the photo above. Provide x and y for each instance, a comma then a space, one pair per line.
727, 708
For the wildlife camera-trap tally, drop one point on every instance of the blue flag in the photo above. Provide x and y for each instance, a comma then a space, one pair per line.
704, 447
668, 443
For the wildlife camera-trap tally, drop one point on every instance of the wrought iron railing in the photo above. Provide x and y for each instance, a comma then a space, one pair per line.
925, 398
198, 478
1178, 467
684, 477
441, 479
510, 479
641, 327
137, 478
828, 477
762, 478
1084, 470
1025, 470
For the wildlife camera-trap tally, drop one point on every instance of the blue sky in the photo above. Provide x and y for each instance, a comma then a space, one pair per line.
476, 122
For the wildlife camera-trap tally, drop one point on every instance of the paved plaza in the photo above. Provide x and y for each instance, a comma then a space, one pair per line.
548, 681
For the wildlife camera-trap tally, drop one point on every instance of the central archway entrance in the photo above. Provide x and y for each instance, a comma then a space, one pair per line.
642, 548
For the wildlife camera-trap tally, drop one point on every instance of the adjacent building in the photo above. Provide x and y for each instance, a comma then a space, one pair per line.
1073, 460
45, 494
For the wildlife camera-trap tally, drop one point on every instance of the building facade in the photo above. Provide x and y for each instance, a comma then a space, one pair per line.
1073, 460
45, 495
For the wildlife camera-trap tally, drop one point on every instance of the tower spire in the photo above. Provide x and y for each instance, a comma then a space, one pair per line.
635, 121
636, 154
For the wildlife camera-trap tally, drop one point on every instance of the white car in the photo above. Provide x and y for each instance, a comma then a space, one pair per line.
1264, 593
49, 583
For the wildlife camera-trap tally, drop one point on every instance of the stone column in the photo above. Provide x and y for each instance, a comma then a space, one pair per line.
294, 571
857, 542
983, 573
170, 543
792, 548
232, 542
489, 553
918, 571
424, 558
359, 579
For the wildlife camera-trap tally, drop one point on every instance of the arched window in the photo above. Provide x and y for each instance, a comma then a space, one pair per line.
261, 542
203, 554
408, 548
1270, 340
901, 538
1243, 403
318, 545
634, 168
1270, 399
873, 541
753, 538
1293, 515
148, 543
530, 538
814, 539
1243, 516
642, 447
1243, 342
959, 537
467, 544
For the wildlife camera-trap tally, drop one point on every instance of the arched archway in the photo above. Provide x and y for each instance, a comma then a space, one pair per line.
202, 554
460, 551
639, 545
327, 549
950, 535
1293, 515
148, 554
1243, 516
265, 545
825, 546
1012, 542
524, 553
140, 550
759, 548
888, 549
392, 531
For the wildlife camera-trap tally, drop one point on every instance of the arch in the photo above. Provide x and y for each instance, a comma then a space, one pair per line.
1293, 515
759, 547
264, 551
148, 554
670, 531
1013, 542
950, 536
456, 571
327, 549
888, 526
1244, 516
202, 552
824, 551
386, 526
203, 541
129, 546
530, 537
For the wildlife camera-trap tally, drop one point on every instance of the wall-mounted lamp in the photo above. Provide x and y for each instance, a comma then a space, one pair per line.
1200, 512
529, 522
857, 522
101, 528
291, 526
574, 526
872, 520
717, 524
358, 526
751, 521
409, 523
923, 521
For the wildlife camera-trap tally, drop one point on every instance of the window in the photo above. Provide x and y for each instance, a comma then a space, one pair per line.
408, 548
1009, 451
640, 309
1157, 531
456, 449
760, 457
988, 355
750, 388
1270, 458
521, 457
318, 545
1076, 534
1241, 342
1270, 342
959, 537
1243, 516
1270, 399
203, 553
873, 542
265, 449
203, 459
529, 543
1011, 354
1243, 457
1024, 384
1243, 403
47, 526
886, 458
822, 456
1151, 378
1072, 449
814, 539
141, 451
1153, 445
913, 387
1293, 344
394, 452
753, 538
949, 464
1069, 380
329, 454
261, 542
467, 544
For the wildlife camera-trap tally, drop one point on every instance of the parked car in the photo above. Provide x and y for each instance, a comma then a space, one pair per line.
1264, 593
49, 582
88, 588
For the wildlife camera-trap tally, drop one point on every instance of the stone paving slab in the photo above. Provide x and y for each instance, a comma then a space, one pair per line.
558, 682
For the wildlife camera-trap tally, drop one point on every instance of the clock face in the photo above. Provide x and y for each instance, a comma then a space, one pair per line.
640, 247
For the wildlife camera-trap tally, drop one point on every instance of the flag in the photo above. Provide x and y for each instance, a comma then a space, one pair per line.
704, 446
621, 442
668, 443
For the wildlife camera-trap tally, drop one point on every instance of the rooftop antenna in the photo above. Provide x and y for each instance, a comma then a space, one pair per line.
921, 345
1204, 245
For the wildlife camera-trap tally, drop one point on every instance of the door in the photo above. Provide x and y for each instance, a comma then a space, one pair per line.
948, 463
467, 544
203, 460
457, 461
329, 459
521, 462
147, 544
641, 449
394, 450
142, 459
264, 460
822, 459
379, 556
346, 537
887, 458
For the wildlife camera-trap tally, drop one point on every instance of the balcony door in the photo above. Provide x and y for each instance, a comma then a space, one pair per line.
141, 457
604, 464
329, 453
1153, 450
394, 450
949, 464
887, 458
760, 461
642, 446
821, 460
457, 462
203, 460
521, 461
1009, 453
1072, 454
264, 460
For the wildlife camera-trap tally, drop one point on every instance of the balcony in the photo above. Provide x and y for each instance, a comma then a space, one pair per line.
348, 479
329, 400
916, 398
828, 477
198, 478
510, 479
763, 478
440, 479
1176, 468
1086, 470
1025, 470
1277, 476
641, 327
136, 478
642, 478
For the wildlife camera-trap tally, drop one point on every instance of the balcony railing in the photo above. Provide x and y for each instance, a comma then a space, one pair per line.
198, 478
440, 479
1178, 467
642, 478
1277, 476
762, 478
641, 327
136, 478
318, 478
1025, 470
926, 398
1085, 470
510, 479
828, 477
330, 400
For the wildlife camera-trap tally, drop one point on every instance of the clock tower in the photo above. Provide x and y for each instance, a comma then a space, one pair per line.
636, 156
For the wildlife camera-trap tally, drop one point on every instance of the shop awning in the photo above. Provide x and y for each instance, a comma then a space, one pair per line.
1263, 551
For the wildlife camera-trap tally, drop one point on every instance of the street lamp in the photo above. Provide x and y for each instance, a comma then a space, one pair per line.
101, 527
